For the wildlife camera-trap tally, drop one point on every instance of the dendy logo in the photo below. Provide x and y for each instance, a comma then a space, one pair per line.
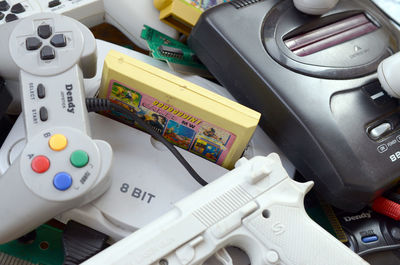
70, 99
364, 215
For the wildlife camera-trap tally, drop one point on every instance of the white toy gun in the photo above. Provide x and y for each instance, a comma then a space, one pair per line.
255, 207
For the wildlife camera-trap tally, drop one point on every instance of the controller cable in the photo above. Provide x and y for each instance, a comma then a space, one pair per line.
100, 104
379, 249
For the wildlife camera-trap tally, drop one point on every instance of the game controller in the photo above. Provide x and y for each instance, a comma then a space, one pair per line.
388, 75
133, 163
315, 7
61, 166
128, 16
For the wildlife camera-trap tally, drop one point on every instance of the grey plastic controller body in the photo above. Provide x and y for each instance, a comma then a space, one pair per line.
61, 167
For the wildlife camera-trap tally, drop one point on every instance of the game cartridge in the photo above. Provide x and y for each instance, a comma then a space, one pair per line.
187, 115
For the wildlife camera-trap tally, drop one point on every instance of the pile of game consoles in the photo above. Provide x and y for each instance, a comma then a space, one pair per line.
258, 101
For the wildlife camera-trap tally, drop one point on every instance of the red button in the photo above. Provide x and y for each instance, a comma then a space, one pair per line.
40, 164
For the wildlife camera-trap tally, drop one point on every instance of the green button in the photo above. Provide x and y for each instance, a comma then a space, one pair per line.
79, 158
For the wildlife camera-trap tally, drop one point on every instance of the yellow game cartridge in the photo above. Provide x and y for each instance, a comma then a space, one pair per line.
178, 14
186, 114
182, 15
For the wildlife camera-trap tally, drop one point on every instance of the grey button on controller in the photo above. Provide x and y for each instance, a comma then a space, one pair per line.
4, 6
43, 114
17, 8
47, 53
54, 3
379, 130
44, 31
33, 43
41, 91
58, 40
11, 17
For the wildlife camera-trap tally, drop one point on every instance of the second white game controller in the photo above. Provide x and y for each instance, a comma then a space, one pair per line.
61, 167
388, 74
127, 15
315, 7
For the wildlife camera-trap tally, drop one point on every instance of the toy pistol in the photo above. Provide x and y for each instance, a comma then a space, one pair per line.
255, 207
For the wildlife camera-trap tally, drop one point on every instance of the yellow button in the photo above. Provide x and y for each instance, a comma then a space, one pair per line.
58, 142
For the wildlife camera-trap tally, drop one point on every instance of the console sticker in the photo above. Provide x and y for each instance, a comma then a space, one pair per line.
205, 4
179, 127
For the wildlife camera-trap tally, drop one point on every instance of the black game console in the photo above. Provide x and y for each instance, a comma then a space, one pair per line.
314, 80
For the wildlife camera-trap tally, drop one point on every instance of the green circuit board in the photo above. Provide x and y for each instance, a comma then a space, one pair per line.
165, 48
45, 249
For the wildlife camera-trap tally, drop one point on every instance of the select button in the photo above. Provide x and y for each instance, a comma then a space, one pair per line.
62, 181
79, 158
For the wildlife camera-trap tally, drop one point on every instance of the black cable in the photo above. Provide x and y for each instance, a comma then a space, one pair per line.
100, 104
379, 249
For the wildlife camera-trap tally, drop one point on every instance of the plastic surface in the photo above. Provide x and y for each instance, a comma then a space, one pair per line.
37, 196
319, 109
256, 207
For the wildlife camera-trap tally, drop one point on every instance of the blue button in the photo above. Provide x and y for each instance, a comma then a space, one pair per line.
62, 181
369, 239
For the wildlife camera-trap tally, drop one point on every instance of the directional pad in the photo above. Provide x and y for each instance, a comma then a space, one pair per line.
33, 43
59, 40
17, 8
44, 31
4, 6
47, 53
11, 17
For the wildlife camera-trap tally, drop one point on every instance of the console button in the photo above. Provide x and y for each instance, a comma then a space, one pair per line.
62, 181
379, 130
41, 91
44, 31
47, 53
4, 6
79, 158
395, 232
369, 239
59, 40
54, 3
44, 116
2, 15
58, 142
33, 43
17, 8
40, 164
11, 17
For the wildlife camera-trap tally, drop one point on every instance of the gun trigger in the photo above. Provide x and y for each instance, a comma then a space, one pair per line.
186, 253
223, 256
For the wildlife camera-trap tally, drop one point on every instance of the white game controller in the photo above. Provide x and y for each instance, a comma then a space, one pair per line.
315, 7
128, 16
60, 167
152, 189
388, 74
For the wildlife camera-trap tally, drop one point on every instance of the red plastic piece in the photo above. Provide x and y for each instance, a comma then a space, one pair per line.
387, 207
40, 164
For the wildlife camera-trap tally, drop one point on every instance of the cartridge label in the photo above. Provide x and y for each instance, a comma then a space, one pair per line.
180, 127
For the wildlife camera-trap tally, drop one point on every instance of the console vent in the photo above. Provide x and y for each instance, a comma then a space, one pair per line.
243, 3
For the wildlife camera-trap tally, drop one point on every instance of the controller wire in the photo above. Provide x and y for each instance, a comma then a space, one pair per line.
100, 104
